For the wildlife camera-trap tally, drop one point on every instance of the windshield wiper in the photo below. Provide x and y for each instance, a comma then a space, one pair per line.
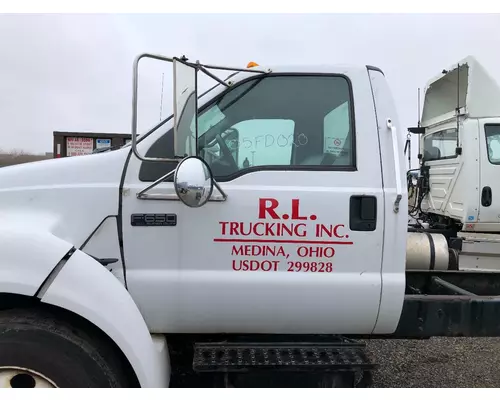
106, 149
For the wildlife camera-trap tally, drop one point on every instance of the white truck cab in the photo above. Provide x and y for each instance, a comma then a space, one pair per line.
263, 225
460, 153
463, 181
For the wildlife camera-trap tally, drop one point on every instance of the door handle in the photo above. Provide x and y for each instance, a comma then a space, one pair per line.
486, 197
363, 213
397, 167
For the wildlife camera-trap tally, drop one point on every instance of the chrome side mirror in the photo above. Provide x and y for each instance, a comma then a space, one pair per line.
193, 181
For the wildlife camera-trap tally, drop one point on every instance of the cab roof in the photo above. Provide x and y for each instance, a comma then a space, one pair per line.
466, 85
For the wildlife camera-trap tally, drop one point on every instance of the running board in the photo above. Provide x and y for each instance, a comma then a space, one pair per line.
288, 357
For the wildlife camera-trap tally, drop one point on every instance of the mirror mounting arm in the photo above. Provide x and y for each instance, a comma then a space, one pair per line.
223, 194
135, 98
192, 191
214, 77
143, 195
184, 60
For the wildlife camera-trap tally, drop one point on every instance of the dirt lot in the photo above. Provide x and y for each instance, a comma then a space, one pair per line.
437, 362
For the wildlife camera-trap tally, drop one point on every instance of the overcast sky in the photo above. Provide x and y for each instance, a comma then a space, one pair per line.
74, 72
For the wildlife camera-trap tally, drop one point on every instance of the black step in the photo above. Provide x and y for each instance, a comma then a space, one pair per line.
241, 357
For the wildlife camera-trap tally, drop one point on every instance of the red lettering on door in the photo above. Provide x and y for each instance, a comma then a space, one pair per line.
295, 210
269, 208
336, 233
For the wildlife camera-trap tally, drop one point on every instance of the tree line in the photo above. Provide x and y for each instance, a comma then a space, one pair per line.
20, 157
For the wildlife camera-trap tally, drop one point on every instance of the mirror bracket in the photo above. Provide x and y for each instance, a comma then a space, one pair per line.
173, 197
198, 67
144, 195
135, 100
183, 60
223, 195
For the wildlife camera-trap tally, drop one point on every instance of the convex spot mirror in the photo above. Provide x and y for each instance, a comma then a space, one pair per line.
193, 181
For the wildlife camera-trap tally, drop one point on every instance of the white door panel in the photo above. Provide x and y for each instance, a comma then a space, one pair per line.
489, 202
202, 287
243, 265
271, 280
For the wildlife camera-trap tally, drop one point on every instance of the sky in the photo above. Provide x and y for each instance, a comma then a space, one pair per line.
73, 72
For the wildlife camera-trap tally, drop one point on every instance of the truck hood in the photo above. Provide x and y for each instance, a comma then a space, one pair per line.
68, 197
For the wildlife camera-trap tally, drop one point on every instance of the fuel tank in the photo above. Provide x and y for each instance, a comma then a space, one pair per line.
427, 251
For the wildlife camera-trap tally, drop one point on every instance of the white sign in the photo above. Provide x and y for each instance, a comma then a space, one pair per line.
102, 143
332, 145
336, 127
79, 146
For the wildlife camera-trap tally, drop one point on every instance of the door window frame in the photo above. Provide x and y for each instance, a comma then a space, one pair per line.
434, 134
486, 142
165, 167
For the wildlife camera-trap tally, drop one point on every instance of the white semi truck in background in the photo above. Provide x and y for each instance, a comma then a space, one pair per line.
458, 186
259, 231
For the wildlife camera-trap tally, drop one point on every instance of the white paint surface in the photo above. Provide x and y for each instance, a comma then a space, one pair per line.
27, 257
184, 282
88, 289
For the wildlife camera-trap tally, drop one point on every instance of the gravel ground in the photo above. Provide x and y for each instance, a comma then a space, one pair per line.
436, 363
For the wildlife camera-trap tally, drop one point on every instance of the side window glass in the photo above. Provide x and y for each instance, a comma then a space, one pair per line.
259, 142
493, 143
208, 119
440, 145
336, 127
274, 122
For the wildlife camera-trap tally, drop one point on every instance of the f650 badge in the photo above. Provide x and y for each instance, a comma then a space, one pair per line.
153, 219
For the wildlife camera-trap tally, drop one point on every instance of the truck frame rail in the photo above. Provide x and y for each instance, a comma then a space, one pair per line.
450, 303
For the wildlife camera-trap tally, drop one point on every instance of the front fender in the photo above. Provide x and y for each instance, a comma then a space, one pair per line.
27, 258
86, 288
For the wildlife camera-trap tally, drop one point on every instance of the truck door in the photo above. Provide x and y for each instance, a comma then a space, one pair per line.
297, 245
489, 206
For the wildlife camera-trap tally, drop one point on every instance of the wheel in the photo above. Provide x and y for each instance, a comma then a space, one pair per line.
39, 349
337, 380
347, 379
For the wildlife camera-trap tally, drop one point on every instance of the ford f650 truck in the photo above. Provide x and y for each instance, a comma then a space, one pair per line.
261, 229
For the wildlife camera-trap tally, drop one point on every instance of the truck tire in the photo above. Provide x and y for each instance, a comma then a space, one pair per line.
39, 349
354, 379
